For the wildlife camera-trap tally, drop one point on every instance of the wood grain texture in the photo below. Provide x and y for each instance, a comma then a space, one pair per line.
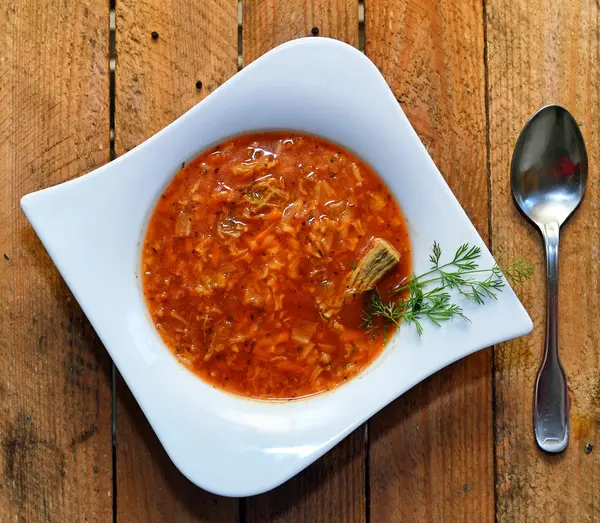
268, 23
156, 83
333, 488
156, 78
55, 408
542, 52
431, 451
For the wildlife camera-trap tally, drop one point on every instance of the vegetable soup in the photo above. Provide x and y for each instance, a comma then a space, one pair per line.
257, 261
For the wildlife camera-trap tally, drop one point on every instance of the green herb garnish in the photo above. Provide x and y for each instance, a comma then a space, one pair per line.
428, 295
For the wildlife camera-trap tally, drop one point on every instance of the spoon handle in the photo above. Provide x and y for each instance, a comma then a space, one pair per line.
551, 400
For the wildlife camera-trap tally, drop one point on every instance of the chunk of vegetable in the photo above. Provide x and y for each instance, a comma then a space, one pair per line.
231, 227
376, 262
377, 202
183, 225
304, 332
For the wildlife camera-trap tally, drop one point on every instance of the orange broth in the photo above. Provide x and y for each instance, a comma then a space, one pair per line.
248, 249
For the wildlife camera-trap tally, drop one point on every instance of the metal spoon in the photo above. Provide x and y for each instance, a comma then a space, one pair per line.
548, 177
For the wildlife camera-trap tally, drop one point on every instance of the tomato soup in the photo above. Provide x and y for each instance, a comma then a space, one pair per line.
246, 261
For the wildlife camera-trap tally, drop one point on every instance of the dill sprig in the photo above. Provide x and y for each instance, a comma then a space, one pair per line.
428, 295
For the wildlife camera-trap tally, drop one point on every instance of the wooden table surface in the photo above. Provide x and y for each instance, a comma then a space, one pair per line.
74, 445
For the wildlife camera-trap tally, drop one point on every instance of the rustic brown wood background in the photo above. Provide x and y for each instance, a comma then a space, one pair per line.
458, 447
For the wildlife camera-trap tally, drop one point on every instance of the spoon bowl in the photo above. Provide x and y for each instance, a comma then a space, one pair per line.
549, 167
548, 178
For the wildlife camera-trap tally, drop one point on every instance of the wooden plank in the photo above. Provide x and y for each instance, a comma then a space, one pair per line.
332, 489
532, 62
431, 451
155, 83
156, 78
268, 23
55, 384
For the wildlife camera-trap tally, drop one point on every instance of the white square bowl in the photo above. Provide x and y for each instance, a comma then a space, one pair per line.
93, 226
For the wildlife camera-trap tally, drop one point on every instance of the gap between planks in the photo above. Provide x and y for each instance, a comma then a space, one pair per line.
112, 65
488, 164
